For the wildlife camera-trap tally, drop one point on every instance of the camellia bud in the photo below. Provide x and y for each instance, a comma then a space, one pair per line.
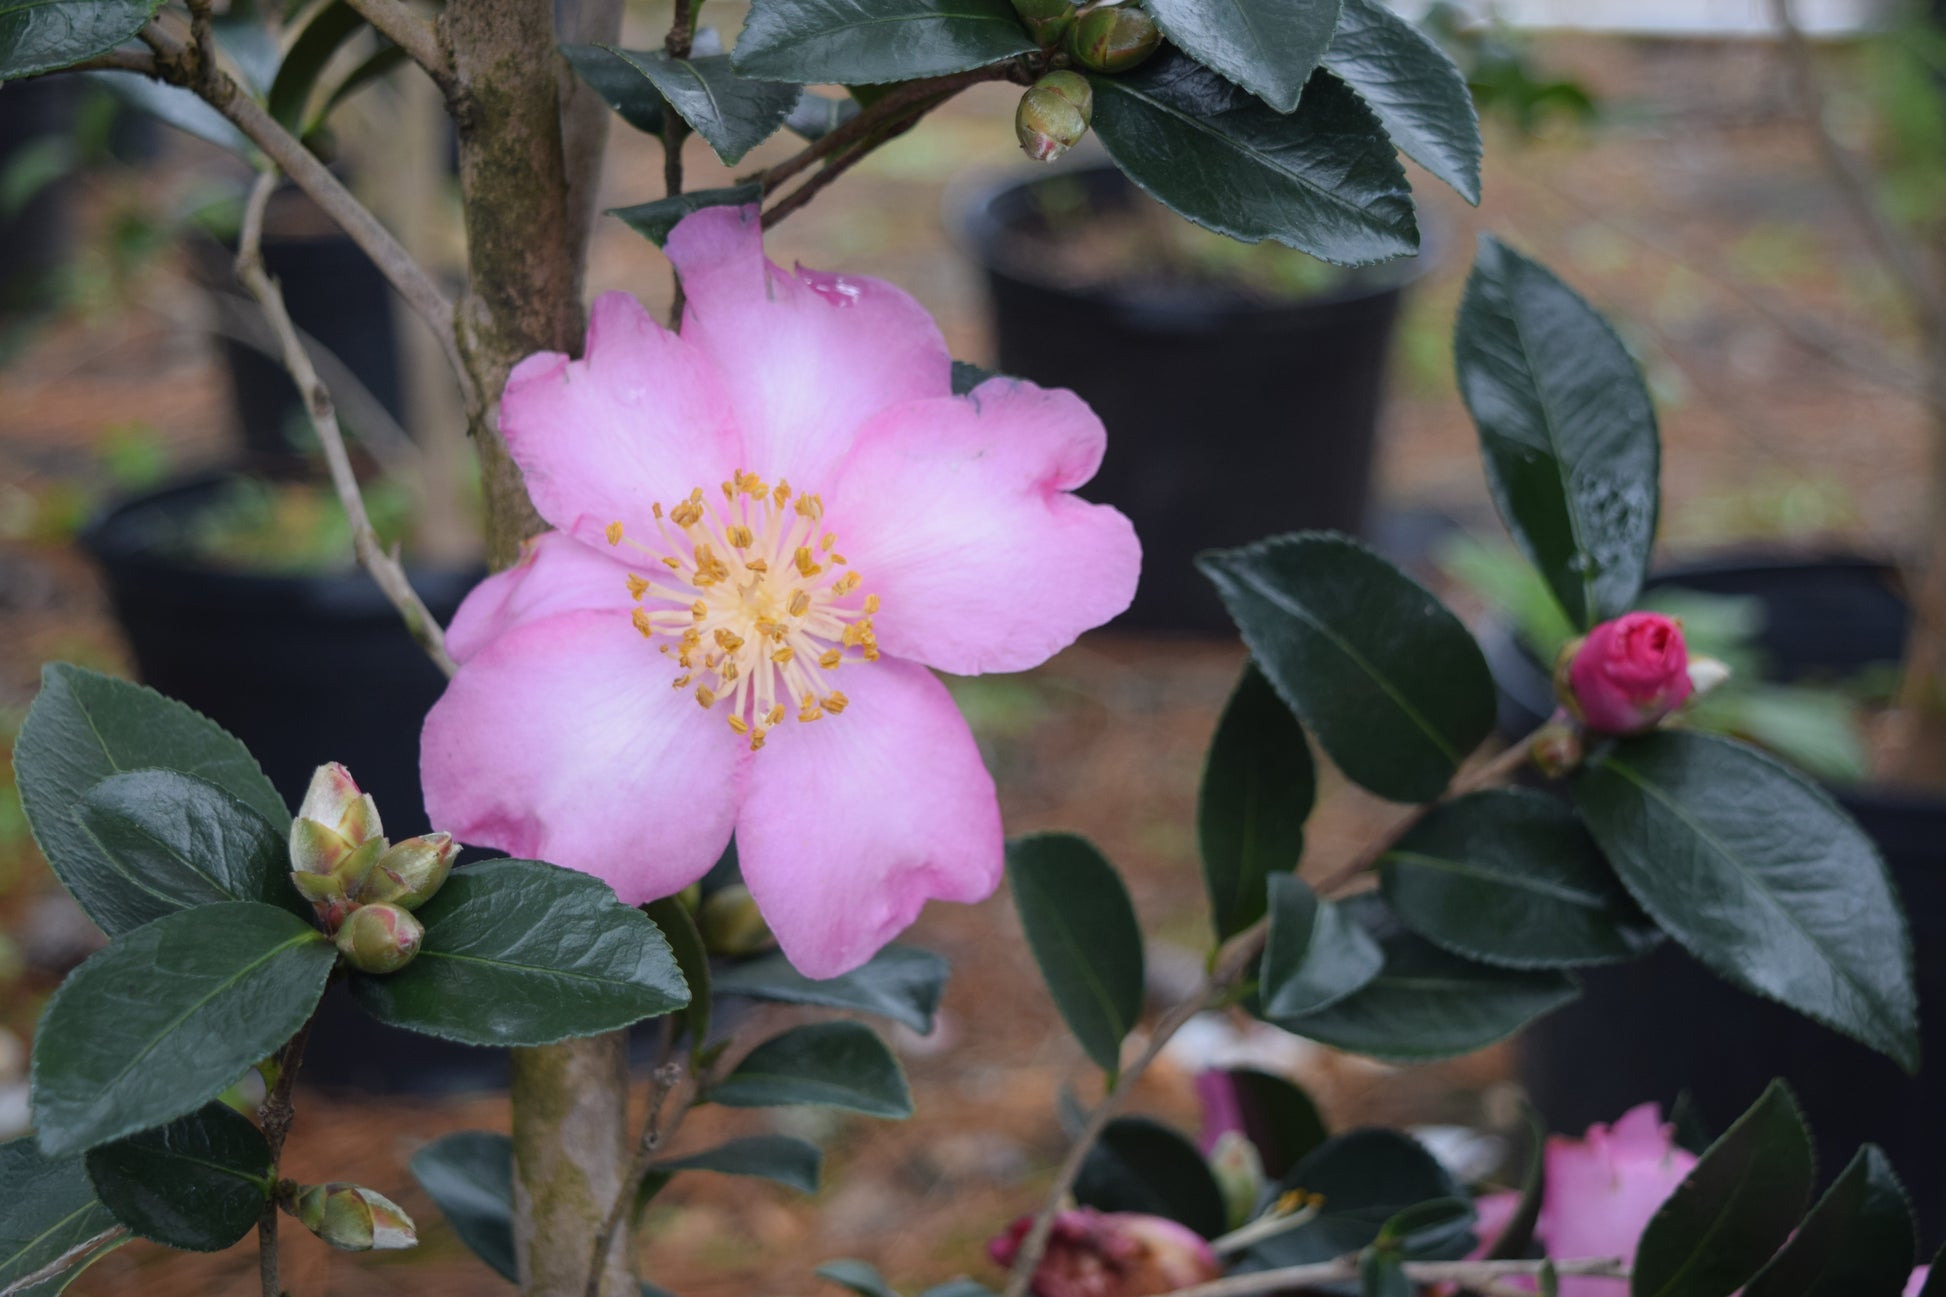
1625, 675
1054, 115
353, 1218
380, 938
334, 800
409, 873
1113, 38
1239, 1172
730, 923
1558, 748
1111, 1254
1046, 20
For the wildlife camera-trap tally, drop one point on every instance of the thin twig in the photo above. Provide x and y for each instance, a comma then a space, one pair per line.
412, 32
384, 567
72, 1257
1231, 962
176, 64
664, 1082
1345, 1268
843, 162
275, 1116
675, 132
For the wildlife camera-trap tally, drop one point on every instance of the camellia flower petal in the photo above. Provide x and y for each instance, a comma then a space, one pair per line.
769, 527
1602, 1189
1111, 1254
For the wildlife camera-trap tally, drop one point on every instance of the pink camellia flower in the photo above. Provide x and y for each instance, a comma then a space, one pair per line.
1917, 1284
1628, 674
769, 527
1111, 1254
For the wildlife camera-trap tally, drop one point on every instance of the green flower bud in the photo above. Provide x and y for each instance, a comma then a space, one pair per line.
1239, 1172
1558, 746
1113, 38
1046, 20
409, 873
352, 1218
379, 938
332, 892
1054, 115
731, 925
334, 800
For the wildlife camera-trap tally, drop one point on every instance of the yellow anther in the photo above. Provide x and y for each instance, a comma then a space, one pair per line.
656, 509
871, 604
800, 603
806, 565
671, 562
741, 537
782, 495
774, 715
729, 491
871, 652
614, 533
637, 587
681, 682
840, 559
836, 703
740, 725
729, 641
846, 583
757, 565
829, 539
783, 655
757, 741
699, 610
829, 659
642, 623
729, 670
706, 696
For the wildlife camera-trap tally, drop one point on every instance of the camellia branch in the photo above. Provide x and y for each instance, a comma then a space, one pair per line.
182, 63
412, 32
675, 131
837, 165
1232, 961
275, 1116
384, 567
68, 1259
1478, 1274
664, 1082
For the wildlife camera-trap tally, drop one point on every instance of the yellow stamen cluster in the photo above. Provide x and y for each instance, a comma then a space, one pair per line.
765, 609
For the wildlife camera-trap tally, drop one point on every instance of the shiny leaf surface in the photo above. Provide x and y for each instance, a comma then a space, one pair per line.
782, 1159
1269, 47
1420, 96
47, 1208
1388, 680
620, 84
902, 983
470, 1175
1081, 927
653, 221
198, 1183
732, 113
868, 42
826, 1064
1258, 789
1143, 1166
1315, 955
1857, 1242
42, 35
1367, 1177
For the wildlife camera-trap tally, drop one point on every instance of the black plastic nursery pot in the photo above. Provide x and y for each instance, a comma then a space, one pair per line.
1229, 419
1664, 1025
303, 669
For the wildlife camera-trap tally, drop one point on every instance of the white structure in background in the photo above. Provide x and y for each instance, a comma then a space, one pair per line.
1672, 17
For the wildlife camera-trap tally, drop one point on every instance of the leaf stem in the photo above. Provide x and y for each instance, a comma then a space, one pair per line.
1231, 961
72, 1257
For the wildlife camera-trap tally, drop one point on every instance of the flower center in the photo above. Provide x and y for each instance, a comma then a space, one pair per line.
754, 603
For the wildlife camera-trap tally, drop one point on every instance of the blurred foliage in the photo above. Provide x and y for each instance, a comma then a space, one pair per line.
1903, 75
126, 458
1817, 727
288, 528
1506, 78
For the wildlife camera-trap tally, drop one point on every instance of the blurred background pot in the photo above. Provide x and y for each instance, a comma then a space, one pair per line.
1664, 1025
1242, 385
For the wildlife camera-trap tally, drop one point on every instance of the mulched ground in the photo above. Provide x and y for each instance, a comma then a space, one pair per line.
1696, 216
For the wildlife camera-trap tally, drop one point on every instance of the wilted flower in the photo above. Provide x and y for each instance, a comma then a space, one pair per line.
353, 1218
1625, 675
1111, 1254
770, 526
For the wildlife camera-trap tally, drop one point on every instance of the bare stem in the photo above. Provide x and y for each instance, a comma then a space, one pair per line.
412, 32
675, 132
384, 567
1232, 960
275, 1116
182, 64
1478, 1274
68, 1259
662, 1084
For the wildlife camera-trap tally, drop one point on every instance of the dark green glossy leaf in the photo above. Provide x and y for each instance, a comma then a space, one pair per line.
678, 927
1437, 1227
1420, 96
42, 35
816, 116
1388, 680
470, 1176
868, 42
1143, 1166
1367, 1177
1269, 47
1857, 1242
1382, 1274
902, 983
619, 83
783, 1159
85, 727
733, 113
1427, 1003
826, 1064
1760, 875
1082, 930
1258, 789
181, 842
522, 953
1315, 955
1512, 878
198, 1183
323, 36
1566, 428
861, 1277
168, 1016
1324, 179
653, 221
1279, 1118
1734, 1210
47, 1207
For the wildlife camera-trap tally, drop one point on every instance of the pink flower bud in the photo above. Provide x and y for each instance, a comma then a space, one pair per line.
1111, 1254
379, 938
334, 801
1626, 674
352, 1218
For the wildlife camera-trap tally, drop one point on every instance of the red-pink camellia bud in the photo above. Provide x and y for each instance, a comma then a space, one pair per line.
1626, 674
1111, 1254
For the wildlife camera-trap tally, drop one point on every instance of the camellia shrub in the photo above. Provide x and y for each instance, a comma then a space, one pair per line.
695, 708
